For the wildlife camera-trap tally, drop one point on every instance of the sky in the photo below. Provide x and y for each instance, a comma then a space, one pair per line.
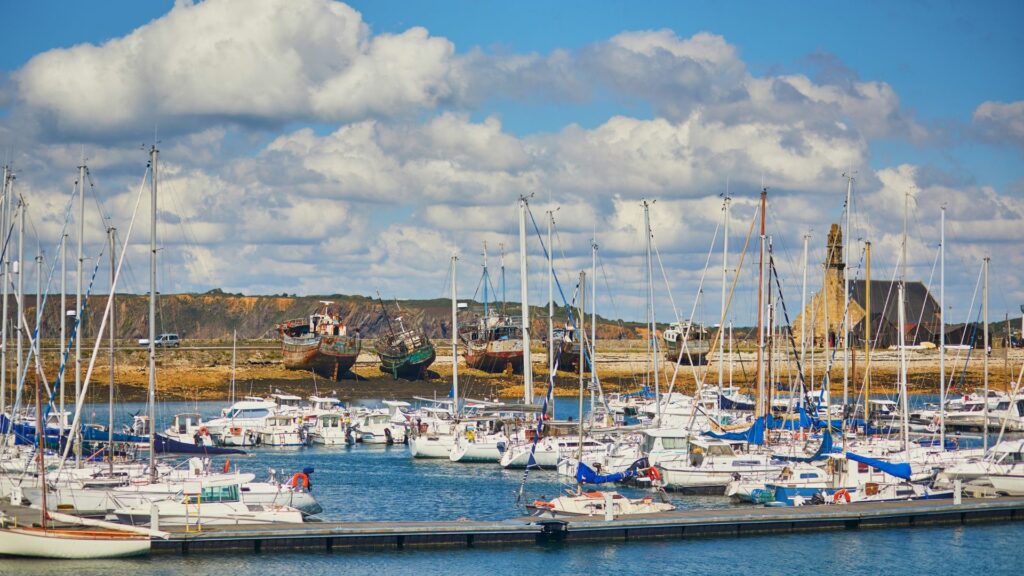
318, 147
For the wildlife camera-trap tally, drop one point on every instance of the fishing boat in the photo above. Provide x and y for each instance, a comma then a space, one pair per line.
319, 343
494, 343
283, 430
695, 338
405, 352
329, 430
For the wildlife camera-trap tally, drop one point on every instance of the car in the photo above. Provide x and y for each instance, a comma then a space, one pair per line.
163, 341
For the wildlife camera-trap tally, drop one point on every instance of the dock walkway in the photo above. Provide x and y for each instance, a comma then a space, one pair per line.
534, 530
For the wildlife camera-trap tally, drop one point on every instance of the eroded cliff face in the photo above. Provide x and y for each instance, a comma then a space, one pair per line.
216, 315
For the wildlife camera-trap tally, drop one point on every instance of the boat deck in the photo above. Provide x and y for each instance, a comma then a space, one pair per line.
534, 530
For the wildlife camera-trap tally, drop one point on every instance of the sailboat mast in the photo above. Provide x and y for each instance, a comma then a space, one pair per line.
40, 448
579, 311
455, 341
20, 291
803, 315
234, 360
985, 350
846, 293
760, 314
652, 321
551, 295
593, 320
6, 219
725, 281
903, 365
113, 322
867, 333
153, 154
942, 328
80, 331
63, 320
524, 286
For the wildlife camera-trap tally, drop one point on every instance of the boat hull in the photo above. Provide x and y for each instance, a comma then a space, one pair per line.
328, 356
412, 365
494, 358
71, 544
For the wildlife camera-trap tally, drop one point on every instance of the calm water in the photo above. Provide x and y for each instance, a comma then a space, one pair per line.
385, 483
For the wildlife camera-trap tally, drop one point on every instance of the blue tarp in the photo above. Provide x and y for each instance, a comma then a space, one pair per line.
897, 469
753, 435
587, 475
26, 435
824, 450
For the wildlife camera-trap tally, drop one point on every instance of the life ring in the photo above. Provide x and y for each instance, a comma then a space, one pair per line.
653, 474
203, 431
300, 477
840, 494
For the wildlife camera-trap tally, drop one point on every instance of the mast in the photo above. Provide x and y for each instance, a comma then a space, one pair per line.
63, 321
846, 294
487, 280
760, 314
579, 311
40, 445
153, 154
803, 315
455, 342
984, 305
111, 231
524, 287
80, 332
942, 328
551, 296
501, 248
234, 358
725, 281
731, 361
652, 326
20, 291
6, 219
593, 320
904, 408
867, 333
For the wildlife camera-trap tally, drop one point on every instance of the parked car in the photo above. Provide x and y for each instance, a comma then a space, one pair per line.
163, 341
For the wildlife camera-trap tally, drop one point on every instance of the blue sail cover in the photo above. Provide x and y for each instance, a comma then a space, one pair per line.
897, 469
826, 448
25, 434
587, 475
753, 435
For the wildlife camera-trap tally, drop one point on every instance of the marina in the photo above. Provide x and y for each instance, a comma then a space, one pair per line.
302, 287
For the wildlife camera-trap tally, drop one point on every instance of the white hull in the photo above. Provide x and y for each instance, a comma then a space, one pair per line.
437, 447
65, 544
710, 479
475, 452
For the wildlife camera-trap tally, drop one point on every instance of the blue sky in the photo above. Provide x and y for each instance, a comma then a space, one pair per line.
588, 102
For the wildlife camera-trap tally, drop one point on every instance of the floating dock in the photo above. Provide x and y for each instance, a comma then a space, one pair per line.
539, 530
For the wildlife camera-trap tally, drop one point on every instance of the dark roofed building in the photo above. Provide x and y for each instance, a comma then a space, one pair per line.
922, 310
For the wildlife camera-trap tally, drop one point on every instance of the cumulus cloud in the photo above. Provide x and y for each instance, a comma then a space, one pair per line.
235, 61
1000, 122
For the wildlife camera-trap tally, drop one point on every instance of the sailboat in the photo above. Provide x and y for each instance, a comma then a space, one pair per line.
405, 352
47, 541
595, 502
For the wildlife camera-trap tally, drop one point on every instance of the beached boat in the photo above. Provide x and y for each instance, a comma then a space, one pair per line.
319, 343
405, 352
494, 344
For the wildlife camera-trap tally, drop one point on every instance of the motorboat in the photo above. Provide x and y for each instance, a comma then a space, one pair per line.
598, 503
206, 504
188, 428
283, 430
328, 429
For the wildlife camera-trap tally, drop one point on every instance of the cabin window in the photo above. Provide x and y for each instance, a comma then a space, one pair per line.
669, 443
806, 475
216, 494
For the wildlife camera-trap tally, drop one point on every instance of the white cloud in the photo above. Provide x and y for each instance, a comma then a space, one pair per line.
265, 62
1000, 122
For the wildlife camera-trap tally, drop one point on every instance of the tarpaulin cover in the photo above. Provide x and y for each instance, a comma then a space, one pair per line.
897, 469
